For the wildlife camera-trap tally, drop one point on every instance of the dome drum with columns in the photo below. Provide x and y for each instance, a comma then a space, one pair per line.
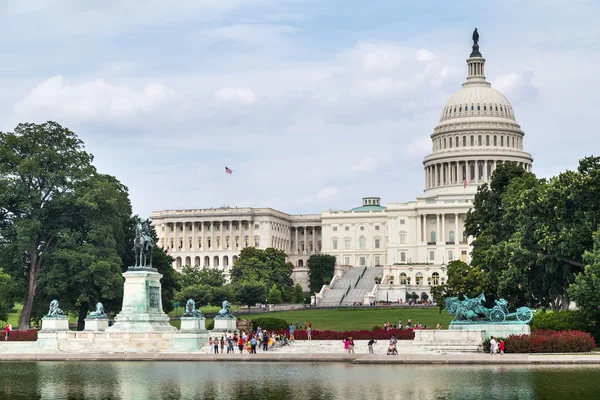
476, 133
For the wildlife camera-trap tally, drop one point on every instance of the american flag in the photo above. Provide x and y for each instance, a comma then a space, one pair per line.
465, 182
228, 171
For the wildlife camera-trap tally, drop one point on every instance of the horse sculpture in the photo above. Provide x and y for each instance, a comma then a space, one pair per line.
143, 244
472, 310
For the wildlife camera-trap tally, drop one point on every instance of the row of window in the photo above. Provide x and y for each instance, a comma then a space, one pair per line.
362, 243
495, 140
362, 228
207, 227
501, 110
362, 261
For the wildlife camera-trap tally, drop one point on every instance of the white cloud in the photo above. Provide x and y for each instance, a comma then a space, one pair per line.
517, 87
367, 164
328, 193
236, 95
420, 147
91, 100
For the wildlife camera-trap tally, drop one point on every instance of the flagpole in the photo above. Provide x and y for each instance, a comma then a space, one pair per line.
225, 188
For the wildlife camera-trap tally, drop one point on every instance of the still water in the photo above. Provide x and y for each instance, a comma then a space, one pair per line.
223, 380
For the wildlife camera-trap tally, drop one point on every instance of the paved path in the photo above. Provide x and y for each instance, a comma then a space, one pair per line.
434, 358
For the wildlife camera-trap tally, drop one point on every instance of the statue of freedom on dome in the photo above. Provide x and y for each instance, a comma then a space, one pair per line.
475, 37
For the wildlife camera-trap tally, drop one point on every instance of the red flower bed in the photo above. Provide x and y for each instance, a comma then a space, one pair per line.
550, 342
20, 336
379, 334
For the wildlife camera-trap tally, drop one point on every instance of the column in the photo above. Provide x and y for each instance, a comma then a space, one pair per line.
213, 244
476, 171
456, 237
296, 244
176, 241
314, 239
305, 239
194, 235
419, 229
437, 227
443, 233
221, 241
251, 234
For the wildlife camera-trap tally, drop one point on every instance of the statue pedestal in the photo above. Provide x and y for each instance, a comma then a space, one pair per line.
193, 324
223, 324
192, 336
96, 324
142, 305
55, 324
497, 330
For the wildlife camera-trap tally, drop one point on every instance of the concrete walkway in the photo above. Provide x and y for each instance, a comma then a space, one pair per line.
433, 358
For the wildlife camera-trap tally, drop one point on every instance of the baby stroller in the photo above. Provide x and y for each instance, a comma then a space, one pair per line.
391, 350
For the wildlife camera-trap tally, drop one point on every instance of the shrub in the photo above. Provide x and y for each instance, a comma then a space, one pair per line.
20, 336
270, 324
559, 321
546, 341
210, 324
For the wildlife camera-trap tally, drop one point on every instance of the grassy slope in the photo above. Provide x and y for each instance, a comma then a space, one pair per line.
357, 319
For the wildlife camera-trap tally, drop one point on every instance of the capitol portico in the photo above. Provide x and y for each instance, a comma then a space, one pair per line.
412, 241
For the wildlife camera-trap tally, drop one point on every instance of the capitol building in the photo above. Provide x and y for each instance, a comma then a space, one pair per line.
406, 245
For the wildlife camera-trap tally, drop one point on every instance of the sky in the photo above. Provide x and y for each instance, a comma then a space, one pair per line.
313, 104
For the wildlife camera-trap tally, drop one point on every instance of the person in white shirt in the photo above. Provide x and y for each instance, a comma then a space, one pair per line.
493, 346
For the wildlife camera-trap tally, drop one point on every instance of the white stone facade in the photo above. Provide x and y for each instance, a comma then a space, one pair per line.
414, 240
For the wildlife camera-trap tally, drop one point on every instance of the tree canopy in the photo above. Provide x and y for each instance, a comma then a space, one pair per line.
320, 271
40, 167
266, 266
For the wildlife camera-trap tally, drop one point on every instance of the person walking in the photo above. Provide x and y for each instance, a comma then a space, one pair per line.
502, 347
216, 345
253, 345
6, 332
493, 344
350, 345
346, 344
370, 344
309, 333
222, 343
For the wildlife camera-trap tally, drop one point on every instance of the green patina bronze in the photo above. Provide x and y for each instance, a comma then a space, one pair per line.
472, 311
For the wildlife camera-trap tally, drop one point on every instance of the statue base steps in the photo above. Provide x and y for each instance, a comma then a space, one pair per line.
462, 341
497, 330
99, 324
222, 324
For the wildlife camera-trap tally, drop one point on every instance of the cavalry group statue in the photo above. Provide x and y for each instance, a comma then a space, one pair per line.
473, 311
143, 244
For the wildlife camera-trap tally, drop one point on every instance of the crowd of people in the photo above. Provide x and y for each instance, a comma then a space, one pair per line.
388, 326
229, 341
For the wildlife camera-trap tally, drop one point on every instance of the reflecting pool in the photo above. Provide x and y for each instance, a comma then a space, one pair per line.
243, 380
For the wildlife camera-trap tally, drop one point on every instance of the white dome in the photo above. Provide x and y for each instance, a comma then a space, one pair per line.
477, 100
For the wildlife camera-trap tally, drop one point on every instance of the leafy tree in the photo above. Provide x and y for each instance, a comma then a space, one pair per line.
40, 165
274, 296
462, 280
267, 266
297, 294
585, 291
212, 277
5, 302
218, 294
251, 292
199, 293
320, 270
84, 266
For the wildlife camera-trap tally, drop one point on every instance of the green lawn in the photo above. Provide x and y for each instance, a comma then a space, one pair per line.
357, 319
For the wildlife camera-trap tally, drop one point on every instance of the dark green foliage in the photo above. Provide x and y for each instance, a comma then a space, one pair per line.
274, 295
297, 295
566, 320
210, 324
251, 292
202, 276
270, 324
266, 266
320, 271
218, 294
40, 167
199, 293
5, 304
